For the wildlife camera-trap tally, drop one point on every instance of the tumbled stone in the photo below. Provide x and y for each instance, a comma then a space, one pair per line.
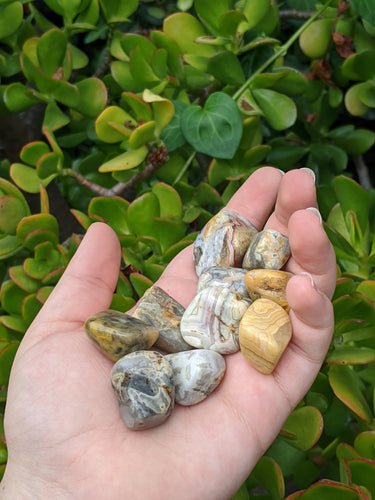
196, 374
162, 311
117, 334
269, 249
228, 277
268, 284
211, 320
143, 384
264, 333
223, 241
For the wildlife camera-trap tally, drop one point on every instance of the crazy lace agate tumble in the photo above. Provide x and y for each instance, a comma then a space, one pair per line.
268, 284
269, 249
228, 277
211, 320
264, 333
223, 241
160, 310
117, 334
143, 384
196, 374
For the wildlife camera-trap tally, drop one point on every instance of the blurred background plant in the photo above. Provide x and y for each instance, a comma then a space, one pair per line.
149, 115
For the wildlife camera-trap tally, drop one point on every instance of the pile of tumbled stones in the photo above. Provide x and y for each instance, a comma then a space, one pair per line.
240, 304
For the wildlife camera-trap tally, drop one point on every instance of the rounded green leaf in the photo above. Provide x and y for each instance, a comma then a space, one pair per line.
268, 473
216, 129
37, 228
11, 17
118, 11
352, 196
111, 210
360, 66
9, 245
255, 10
329, 490
48, 165
25, 177
132, 40
30, 308
169, 200
143, 134
22, 280
211, 16
226, 68
140, 283
43, 293
163, 109
114, 124
353, 100
362, 473
347, 387
92, 97
126, 161
184, 29
140, 214
18, 97
33, 151
11, 297
54, 117
51, 60
141, 108
364, 443
11, 212
172, 135
279, 110
305, 424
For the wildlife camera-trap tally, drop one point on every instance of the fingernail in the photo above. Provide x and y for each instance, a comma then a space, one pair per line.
309, 171
316, 212
303, 273
281, 171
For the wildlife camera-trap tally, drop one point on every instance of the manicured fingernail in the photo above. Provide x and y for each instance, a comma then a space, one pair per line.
311, 278
316, 212
309, 171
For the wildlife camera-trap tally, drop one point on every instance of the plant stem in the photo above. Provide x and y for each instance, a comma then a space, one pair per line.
282, 50
362, 171
184, 168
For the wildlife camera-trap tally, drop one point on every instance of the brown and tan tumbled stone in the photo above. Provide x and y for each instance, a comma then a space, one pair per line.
264, 333
269, 249
117, 334
162, 311
268, 284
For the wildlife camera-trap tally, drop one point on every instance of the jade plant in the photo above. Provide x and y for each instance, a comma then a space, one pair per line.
149, 116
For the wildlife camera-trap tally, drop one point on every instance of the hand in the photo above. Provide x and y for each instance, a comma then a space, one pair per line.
64, 433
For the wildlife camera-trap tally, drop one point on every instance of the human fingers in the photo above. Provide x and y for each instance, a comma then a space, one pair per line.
311, 250
312, 318
296, 191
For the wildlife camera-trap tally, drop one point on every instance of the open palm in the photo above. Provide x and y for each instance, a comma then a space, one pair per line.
64, 433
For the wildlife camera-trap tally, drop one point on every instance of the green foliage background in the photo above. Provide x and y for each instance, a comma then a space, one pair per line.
149, 116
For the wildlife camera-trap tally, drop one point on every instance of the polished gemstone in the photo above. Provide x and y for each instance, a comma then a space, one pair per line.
196, 374
228, 277
162, 311
117, 334
223, 241
211, 320
268, 284
264, 333
269, 249
143, 384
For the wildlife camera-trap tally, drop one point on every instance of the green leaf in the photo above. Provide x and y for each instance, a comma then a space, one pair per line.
37, 228
30, 308
184, 29
140, 283
354, 142
51, 61
329, 490
365, 9
92, 97
131, 40
305, 424
11, 297
142, 135
9, 245
54, 118
117, 11
141, 212
255, 11
125, 161
11, 212
22, 280
211, 17
347, 387
48, 165
141, 108
362, 473
169, 200
353, 197
163, 109
278, 109
11, 17
25, 177
7, 355
268, 473
114, 124
226, 68
18, 97
172, 135
112, 211
350, 355
32, 151
364, 443
216, 129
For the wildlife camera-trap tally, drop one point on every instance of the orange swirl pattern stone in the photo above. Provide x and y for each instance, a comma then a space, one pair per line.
264, 333
268, 284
